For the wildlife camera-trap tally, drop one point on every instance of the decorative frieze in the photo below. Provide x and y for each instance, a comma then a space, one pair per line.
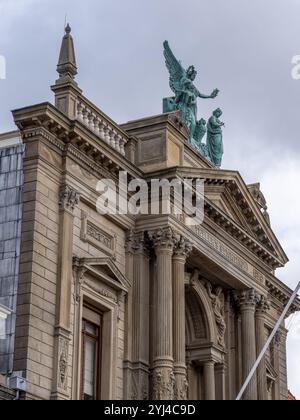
221, 248
228, 254
258, 276
98, 237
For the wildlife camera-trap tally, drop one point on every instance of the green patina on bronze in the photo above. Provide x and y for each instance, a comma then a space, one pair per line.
185, 100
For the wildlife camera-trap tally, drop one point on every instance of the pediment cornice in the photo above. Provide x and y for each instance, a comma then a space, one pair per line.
71, 136
103, 269
256, 235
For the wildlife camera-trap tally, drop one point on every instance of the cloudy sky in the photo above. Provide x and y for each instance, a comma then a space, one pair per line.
242, 47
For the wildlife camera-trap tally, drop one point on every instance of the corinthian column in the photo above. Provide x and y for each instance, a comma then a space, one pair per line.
247, 301
262, 308
163, 376
181, 252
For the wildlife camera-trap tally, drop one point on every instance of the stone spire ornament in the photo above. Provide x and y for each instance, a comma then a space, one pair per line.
66, 89
67, 67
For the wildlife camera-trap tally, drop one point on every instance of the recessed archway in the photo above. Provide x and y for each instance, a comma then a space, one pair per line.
202, 349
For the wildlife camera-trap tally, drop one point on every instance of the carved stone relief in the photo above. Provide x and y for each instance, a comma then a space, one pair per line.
217, 299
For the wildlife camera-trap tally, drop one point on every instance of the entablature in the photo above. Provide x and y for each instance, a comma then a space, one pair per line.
235, 270
264, 245
46, 121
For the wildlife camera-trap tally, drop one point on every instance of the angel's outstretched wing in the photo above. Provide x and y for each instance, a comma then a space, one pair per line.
175, 68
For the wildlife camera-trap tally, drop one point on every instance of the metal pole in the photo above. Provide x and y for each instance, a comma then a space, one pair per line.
260, 357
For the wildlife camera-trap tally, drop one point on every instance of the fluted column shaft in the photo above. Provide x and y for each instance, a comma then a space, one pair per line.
162, 374
179, 259
247, 301
260, 318
209, 381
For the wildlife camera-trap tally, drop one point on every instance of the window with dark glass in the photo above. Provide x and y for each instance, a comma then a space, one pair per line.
91, 359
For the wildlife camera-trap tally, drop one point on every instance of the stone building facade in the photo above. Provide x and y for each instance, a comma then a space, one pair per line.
147, 306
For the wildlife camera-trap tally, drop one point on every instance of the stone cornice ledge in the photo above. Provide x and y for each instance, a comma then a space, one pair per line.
281, 292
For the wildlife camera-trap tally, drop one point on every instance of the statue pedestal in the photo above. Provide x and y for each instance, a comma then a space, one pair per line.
162, 142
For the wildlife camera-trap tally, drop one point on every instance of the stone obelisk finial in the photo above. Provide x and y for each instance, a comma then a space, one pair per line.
67, 67
66, 89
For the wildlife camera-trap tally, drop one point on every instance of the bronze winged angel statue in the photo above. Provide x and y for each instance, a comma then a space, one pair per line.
185, 99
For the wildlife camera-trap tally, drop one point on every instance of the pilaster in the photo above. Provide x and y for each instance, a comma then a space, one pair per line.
68, 199
137, 345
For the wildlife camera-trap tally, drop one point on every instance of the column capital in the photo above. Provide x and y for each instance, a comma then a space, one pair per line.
183, 248
263, 305
68, 198
278, 339
246, 299
136, 242
164, 239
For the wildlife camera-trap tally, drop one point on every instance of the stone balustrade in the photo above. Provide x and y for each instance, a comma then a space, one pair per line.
101, 127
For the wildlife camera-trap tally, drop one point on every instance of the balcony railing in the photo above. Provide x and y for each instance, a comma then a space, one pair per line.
101, 126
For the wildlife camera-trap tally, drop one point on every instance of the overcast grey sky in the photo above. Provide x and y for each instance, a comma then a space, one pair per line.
242, 47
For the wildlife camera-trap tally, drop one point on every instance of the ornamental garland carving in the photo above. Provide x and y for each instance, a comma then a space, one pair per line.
163, 383
63, 356
181, 389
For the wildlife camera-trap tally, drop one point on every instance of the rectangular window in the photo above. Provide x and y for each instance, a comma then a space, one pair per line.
91, 355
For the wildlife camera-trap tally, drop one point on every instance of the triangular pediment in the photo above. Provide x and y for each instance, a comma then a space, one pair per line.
240, 209
104, 269
222, 199
247, 207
